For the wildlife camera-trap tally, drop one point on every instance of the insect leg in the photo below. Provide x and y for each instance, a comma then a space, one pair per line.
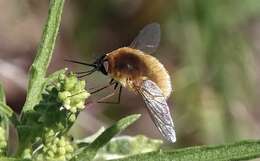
115, 86
95, 88
119, 94
106, 97
102, 88
112, 94
111, 81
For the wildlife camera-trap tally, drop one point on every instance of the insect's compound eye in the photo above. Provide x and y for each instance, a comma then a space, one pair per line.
105, 65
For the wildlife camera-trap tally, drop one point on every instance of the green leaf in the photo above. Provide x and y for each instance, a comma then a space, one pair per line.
44, 53
90, 151
87, 140
6, 110
2, 94
242, 150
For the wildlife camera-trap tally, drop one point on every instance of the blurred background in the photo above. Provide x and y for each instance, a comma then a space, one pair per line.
209, 47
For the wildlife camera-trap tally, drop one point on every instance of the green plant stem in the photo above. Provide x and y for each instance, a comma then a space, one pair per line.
44, 53
242, 150
39, 67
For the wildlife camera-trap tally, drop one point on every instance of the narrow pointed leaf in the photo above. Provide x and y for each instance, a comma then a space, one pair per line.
90, 151
243, 150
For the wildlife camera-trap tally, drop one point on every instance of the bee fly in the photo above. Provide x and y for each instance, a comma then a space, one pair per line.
135, 69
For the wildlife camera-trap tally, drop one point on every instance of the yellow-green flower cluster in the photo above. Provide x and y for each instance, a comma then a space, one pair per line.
72, 93
27, 153
58, 148
3, 142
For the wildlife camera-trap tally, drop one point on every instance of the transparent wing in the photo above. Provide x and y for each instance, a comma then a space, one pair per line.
148, 38
158, 109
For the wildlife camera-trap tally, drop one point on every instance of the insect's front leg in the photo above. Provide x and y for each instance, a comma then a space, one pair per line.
112, 82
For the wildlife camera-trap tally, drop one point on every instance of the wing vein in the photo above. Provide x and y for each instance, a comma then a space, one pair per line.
158, 109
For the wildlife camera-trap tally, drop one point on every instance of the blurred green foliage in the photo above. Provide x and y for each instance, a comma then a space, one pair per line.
215, 78
208, 46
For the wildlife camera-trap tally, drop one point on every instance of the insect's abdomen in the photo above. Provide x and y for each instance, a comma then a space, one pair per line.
127, 63
158, 74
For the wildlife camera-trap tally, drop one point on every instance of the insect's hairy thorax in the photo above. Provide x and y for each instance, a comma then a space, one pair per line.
131, 66
127, 63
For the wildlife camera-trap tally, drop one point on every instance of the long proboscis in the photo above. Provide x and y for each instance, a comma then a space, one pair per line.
84, 73
79, 62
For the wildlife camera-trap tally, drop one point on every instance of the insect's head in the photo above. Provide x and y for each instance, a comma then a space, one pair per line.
99, 65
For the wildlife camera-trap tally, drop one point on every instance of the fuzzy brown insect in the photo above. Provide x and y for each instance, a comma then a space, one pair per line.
135, 69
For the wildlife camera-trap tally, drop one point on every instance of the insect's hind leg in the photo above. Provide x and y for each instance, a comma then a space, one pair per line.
112, 94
